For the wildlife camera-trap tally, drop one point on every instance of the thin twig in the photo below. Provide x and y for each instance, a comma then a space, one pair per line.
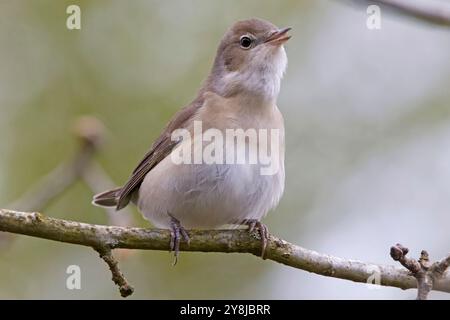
442, 266
426, 273
89, 132
238, 241
117, 276
437, 13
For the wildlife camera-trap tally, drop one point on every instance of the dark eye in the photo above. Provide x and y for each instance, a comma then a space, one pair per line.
246, 42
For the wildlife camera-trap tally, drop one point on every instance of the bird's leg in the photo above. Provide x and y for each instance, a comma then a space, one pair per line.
263, 232
176, 233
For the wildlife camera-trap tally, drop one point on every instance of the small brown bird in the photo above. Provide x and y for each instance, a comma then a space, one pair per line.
239, 96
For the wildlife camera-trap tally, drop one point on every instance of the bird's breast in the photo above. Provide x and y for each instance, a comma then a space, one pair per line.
233, 173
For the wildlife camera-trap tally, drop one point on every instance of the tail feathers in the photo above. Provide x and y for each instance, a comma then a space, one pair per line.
108, 198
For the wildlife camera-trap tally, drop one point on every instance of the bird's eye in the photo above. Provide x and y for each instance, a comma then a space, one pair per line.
246, 42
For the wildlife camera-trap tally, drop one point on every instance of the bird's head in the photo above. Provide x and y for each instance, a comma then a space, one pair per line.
250, 59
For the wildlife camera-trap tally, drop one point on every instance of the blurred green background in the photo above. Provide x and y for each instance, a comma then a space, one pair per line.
367, 125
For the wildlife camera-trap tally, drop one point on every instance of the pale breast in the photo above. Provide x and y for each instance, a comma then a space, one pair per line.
211, 195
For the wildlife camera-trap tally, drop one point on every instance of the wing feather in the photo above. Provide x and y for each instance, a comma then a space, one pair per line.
162, 147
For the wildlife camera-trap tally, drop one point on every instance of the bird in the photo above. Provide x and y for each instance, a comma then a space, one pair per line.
240, 93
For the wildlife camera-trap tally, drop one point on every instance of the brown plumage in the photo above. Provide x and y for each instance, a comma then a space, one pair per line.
240, 92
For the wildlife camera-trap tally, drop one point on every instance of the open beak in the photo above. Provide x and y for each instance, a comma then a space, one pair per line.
278, 37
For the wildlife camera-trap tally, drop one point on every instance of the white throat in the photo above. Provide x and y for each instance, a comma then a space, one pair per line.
260, 78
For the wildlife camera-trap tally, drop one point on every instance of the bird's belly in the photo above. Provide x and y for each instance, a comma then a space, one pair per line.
208, 195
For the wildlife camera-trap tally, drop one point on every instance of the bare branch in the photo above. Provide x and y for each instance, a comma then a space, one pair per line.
399, 252
238, 241
426, 273
89, 132
438, 13
433, 12
117, 276
442, 266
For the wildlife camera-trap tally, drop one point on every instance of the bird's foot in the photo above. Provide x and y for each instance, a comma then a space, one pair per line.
263, 232
176, 233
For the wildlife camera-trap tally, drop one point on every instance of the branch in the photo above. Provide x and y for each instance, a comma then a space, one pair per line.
425, 272
89, 132
437, 13
239, 241
117, 276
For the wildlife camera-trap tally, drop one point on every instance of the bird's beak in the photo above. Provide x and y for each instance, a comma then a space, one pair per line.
278, 37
